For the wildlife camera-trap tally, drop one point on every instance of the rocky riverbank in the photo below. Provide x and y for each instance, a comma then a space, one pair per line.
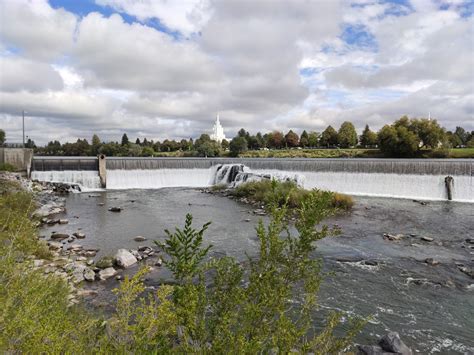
68, 259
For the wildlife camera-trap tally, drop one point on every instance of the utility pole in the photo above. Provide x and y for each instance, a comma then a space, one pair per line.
23, 128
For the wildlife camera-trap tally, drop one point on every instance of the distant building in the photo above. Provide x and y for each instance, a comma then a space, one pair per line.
217, 131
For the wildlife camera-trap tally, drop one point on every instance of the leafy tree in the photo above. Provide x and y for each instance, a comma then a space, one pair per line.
470, 143
275, 140
304, 139
462, 134
2, 137
291, 139
225, 144
398, 141
347, 135
313, 139
453, 139
147, 152
80, 148
431, 134
125, 139
368, 138
137, 141
329, 137
157, 146
243, 133
260, 139
238, 145
254, 143
53, 148
208, 148
145, 142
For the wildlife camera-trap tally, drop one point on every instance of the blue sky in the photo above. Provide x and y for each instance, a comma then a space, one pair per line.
161, 69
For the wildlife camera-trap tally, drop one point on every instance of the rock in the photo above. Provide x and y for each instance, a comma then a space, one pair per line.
115, 209
159, 262
118, 277
107, 273
81, 258
55, 245
124, 258
145, 249
63, 221
89, 275
391, 342
38, 263
247, 220
371, 262
467, 271
89, 253
431, 261
100, 204
59, 236
139, 238
370, 350
86, 293
392, 237
105, 262
79, 235
470, 240
427, 239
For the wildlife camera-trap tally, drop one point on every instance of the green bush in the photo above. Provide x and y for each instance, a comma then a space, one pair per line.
7, 167
288, 193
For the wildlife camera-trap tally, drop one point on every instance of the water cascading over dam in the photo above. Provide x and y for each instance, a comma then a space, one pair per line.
404, 178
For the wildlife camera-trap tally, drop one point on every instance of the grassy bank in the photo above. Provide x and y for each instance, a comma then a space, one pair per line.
273, 192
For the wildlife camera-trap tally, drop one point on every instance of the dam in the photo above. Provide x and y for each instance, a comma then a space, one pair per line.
431, 179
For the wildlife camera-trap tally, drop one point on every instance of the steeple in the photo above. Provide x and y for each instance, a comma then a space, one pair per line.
217, 131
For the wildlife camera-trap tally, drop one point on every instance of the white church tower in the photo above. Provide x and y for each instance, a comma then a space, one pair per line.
217, 131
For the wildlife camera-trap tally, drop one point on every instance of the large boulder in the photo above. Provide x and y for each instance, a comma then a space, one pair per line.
124, 258
391, 342
370, 350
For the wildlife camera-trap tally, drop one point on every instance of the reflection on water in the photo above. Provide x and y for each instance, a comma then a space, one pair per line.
432, 307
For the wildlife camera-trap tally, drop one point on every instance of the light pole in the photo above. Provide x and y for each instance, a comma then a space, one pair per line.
23, 128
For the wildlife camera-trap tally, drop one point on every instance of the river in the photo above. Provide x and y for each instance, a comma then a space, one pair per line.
432, 307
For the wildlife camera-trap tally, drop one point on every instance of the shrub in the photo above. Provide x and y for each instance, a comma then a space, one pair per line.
7, 167
287, 193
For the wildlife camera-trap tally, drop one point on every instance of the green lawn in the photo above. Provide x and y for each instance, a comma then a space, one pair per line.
461, 153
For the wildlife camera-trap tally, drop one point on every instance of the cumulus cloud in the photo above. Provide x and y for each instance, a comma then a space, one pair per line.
163, 69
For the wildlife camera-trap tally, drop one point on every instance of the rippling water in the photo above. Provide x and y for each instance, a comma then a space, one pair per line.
432, 307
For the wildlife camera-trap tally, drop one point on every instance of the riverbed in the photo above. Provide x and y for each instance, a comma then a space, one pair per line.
431, 306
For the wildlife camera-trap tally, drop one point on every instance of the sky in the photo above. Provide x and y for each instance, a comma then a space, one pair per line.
164, 68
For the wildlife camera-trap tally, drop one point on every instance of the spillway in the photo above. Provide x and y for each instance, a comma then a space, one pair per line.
400, 178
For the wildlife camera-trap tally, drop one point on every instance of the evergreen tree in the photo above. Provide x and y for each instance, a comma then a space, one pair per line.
368, 138
124, 139
304, 139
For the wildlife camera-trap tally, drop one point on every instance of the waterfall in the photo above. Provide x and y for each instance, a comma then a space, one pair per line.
87, 180
159, 178
400, 178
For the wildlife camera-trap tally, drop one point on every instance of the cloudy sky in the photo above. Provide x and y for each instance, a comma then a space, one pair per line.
164, 68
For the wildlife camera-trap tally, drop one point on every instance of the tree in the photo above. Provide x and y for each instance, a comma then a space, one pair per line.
453, 139
124, 139
243, 133
238, 145
470, 143
137, 141
225, 144
398, 141
304, 139
2, 137
147, 152
253, 143
30, 144
95, 144
208, 148
291, 139
431, 134
329, 137
347, 135
368, 139
313, 139
276, 140
462, 134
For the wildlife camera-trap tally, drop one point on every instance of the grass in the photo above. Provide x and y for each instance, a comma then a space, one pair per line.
287, 192
313, 153
461, 153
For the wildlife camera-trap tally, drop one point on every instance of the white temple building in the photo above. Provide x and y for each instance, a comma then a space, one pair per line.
217, 131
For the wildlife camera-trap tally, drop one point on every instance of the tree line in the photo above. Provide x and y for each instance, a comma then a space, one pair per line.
403, 138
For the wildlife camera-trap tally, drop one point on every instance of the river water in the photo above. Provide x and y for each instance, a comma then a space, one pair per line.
432, 307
